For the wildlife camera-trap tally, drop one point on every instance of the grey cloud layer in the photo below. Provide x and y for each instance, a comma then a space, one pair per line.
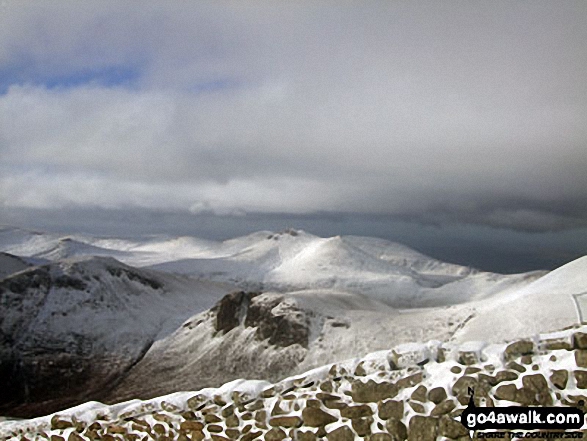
439, 113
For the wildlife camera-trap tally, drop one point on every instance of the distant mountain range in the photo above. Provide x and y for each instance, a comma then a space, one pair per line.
88, 318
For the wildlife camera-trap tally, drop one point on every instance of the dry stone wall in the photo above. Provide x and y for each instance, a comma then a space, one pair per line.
412, 392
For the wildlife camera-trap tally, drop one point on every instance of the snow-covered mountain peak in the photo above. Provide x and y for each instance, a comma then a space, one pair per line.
133, 315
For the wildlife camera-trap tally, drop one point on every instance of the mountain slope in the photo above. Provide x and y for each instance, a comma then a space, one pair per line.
387, 272
271, 335
288, 261
335, 325
71, 328
547, 302
114, 331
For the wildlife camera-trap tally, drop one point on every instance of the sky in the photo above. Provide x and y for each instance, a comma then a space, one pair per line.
456, 127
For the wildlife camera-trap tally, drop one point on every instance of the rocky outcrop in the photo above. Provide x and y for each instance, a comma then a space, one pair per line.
245, 335
231, 309
276, 320
279, 321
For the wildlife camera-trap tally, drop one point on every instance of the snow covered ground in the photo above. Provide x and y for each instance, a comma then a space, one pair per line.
341, 297
415, 391
285, 262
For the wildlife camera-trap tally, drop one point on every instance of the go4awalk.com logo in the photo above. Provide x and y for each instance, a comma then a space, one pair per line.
547, 419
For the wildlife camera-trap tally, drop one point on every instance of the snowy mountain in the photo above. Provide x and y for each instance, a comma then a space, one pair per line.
272, 335
150, 316
288, 261
388, 272
70, 329
550, 302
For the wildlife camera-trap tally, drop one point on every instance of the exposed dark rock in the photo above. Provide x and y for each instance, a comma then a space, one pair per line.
227, 411
580, 340
286, 421
391, 409
58, 423
277, 409
358, 411
65, 281
487, 381
215, 428
74, 437
518, 348
315, 417
526, 396
360, 370
417, 407
581, 358
423, 428
135, 275
443, 408
362, 426
46, 380
526, 359
335, 404
409, 381
396, 429
324, 396
212, 418
506, 392
538, 384
230, 309
251, 435
34, 278
381, 436
43, 369
232, 421
306, 436
275, 434
553, 344
189, 426
343, 433
581, 378
450, 428
516, 367
559, 378
420, 394
232, 433
372, 392
283, 328
462, 386
506, 376
578, 401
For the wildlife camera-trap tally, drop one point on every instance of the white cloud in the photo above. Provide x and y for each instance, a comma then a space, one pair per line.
450, 111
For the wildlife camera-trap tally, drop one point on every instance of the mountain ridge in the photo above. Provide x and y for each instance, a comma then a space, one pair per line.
339, 297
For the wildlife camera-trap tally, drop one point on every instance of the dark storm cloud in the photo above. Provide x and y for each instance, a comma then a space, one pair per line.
441, 113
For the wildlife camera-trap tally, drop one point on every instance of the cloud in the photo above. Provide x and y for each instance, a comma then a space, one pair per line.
435, 113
